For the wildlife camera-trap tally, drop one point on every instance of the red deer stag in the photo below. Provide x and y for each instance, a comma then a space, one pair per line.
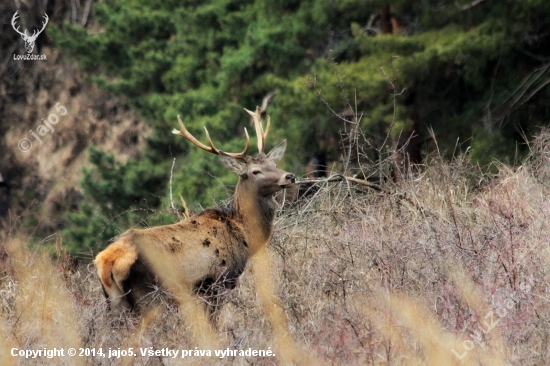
209, 250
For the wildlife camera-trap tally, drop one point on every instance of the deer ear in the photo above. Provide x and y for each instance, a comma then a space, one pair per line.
277, 153
231, 163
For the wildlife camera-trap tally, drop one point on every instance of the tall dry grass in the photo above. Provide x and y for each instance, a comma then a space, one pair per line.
450, 269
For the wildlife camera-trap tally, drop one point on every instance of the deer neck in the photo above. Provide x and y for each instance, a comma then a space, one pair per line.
256, 213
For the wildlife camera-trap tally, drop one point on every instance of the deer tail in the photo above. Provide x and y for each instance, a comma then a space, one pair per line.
104, 265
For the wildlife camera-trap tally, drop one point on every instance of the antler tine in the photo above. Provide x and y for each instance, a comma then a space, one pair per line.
46, 18
183, 132
13, 21
245, 151
34, 34
268, 124
257, 118
210, 140
212, 149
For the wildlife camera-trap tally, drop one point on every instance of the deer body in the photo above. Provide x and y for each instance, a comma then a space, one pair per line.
209, 250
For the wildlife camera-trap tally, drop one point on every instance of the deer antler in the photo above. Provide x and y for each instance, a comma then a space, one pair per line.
24, 34
262, 135
43, 26
212, 149
13, 20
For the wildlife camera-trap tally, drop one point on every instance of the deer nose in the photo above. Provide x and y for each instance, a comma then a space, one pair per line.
291, 178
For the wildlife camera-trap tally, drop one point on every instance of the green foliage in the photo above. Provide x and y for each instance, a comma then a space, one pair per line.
117, 196
469, 75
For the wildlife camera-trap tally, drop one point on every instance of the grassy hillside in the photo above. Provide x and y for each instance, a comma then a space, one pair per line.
446, 267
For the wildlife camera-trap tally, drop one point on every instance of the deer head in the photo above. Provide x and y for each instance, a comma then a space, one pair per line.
29, 40
260, 173
259, 177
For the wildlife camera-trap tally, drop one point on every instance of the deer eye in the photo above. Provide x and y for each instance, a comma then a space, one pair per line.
256, 172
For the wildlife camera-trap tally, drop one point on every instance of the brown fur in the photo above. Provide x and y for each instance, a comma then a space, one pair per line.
212, 240
208, 251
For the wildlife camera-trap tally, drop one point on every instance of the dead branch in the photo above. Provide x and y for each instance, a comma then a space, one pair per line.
339, 178
400, 196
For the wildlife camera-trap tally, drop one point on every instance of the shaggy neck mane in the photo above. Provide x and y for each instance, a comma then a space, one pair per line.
256, 213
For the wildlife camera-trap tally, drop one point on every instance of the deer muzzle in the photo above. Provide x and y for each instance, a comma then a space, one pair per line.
288, 180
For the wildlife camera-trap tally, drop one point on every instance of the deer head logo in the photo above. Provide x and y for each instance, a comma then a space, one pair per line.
29, 40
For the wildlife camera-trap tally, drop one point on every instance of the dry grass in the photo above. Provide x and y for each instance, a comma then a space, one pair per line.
451, 270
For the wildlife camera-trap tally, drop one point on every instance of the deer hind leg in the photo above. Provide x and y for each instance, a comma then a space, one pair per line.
140, 286
118, 297
107, 298
113, 265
